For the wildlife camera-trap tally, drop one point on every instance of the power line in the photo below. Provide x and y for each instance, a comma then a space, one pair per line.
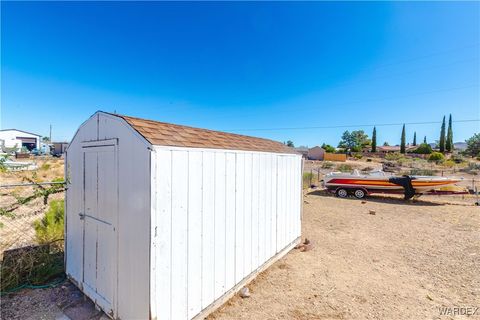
372, 100
429, 55
355, 125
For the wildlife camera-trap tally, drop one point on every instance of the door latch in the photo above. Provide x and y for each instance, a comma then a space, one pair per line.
82, 215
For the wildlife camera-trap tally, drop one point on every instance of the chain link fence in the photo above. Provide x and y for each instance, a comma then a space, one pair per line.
31, 233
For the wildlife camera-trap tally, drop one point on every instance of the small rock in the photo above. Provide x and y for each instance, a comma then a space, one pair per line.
244, 292
307, 245
372, 212
363, 202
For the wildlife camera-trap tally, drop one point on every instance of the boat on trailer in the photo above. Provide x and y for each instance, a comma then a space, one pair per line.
362, 184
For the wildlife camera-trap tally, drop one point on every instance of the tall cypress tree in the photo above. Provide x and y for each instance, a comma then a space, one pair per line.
414, 139
442, 136
402, 142
449, 142
425, 139
374, 140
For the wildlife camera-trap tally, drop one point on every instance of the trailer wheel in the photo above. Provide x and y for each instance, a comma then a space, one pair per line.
359, 194
342, 193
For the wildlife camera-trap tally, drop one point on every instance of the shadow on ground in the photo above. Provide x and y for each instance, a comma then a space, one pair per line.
380, 199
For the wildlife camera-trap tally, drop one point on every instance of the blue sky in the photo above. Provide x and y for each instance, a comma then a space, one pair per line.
234, 66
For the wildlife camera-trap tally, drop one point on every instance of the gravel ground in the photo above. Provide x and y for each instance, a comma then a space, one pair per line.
405, 261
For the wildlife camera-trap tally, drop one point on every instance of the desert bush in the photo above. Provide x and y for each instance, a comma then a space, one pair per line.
369, 160
422, 172
404, 161
449, 163
344, 167
327, 165
50, 227
393, 156
307, 179
31, 266
457, 158
3, 167
45, 166
358, 155
472, 168
436, 156
424, 148
367, 169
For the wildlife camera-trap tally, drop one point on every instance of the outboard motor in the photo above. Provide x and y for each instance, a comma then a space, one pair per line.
406, 183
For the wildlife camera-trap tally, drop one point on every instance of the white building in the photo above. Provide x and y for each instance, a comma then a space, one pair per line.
167, 222
17, 138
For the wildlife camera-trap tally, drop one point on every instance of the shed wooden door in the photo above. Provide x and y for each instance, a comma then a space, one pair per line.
99, 221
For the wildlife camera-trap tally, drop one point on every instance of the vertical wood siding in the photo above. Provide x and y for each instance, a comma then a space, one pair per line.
219, 215
132, 211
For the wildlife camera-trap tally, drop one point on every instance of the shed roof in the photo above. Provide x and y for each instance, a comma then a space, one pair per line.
167, 134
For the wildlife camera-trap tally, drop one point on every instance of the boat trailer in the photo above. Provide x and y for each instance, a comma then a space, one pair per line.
404, 181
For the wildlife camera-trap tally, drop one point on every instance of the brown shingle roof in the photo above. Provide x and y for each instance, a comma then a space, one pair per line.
167, 134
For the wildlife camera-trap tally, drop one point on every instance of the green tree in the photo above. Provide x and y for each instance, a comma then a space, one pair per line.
449, 142
425, 139
354, 141
442, 136
290, 144
46, 139
328, 148
374, 140
402, 141
414, 139
473, 145
386, 144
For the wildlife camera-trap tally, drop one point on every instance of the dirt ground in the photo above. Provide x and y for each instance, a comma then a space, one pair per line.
16, 226
406, 261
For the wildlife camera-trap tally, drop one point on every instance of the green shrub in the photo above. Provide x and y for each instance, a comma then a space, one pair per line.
328, 148
50, 227
393, 156
344, 168
327, 165
424, 148
436, 156
358, 155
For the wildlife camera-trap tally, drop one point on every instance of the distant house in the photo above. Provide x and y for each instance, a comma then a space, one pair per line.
58, 148
303, 151
13, 138
388, 149
316, 153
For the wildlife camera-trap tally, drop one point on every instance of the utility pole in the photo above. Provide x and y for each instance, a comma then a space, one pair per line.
50, 138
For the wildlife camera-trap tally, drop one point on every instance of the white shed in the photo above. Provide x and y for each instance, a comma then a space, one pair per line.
167, 222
